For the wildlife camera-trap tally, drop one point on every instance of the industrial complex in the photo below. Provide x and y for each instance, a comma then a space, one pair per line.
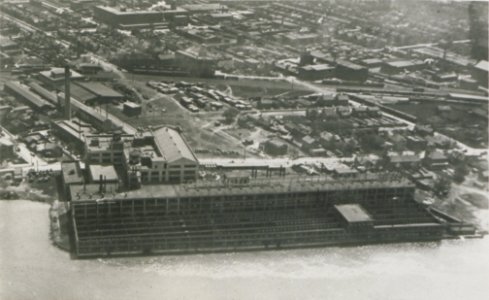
207, 126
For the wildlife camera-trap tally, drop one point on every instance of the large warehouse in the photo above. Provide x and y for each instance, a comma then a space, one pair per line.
256, 213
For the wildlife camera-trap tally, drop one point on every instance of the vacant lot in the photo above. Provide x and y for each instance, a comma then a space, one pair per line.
198, 128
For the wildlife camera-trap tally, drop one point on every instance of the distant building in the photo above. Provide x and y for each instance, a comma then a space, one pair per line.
415, 143
436, 160
274, 147
132, 109
89, 68
308, 142
55, 78
443, 77
371, 62
480, 71
31, 99
349, 71
127, 19
396, 67
296, 38
103, 93
196, 61
69, 132
316, 72
404, 161
8, 46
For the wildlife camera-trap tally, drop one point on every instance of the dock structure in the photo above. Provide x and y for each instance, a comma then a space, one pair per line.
252, 215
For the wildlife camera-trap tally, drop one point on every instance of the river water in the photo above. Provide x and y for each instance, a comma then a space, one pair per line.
32, 268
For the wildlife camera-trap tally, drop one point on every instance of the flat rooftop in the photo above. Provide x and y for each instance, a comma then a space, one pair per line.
320, 67
353, 213
259, 185
107, 172
405, 63
349, 65
71, 172
119, 12
57, 74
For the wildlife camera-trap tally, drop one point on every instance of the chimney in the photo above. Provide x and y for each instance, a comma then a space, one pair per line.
67, 94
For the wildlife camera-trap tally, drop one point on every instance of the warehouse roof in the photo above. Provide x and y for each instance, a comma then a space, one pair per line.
203, 7
404, 63
57, 74
32, 98
100, 89
353, 213
81, 94
320, 67
50, 96
350, 65
171, 145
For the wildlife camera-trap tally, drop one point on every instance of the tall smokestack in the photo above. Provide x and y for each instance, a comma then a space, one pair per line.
67, 94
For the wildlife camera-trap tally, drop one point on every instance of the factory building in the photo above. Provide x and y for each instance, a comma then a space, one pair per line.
55, 78
248, 213
23, 94
159, 156
128, 19
316, 72
196, 62
122, 18
396, 67
349, 71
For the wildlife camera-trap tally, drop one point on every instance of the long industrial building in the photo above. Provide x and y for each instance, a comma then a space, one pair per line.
242, 212
124, 18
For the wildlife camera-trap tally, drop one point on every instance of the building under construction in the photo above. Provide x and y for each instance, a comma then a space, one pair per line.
240, 212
